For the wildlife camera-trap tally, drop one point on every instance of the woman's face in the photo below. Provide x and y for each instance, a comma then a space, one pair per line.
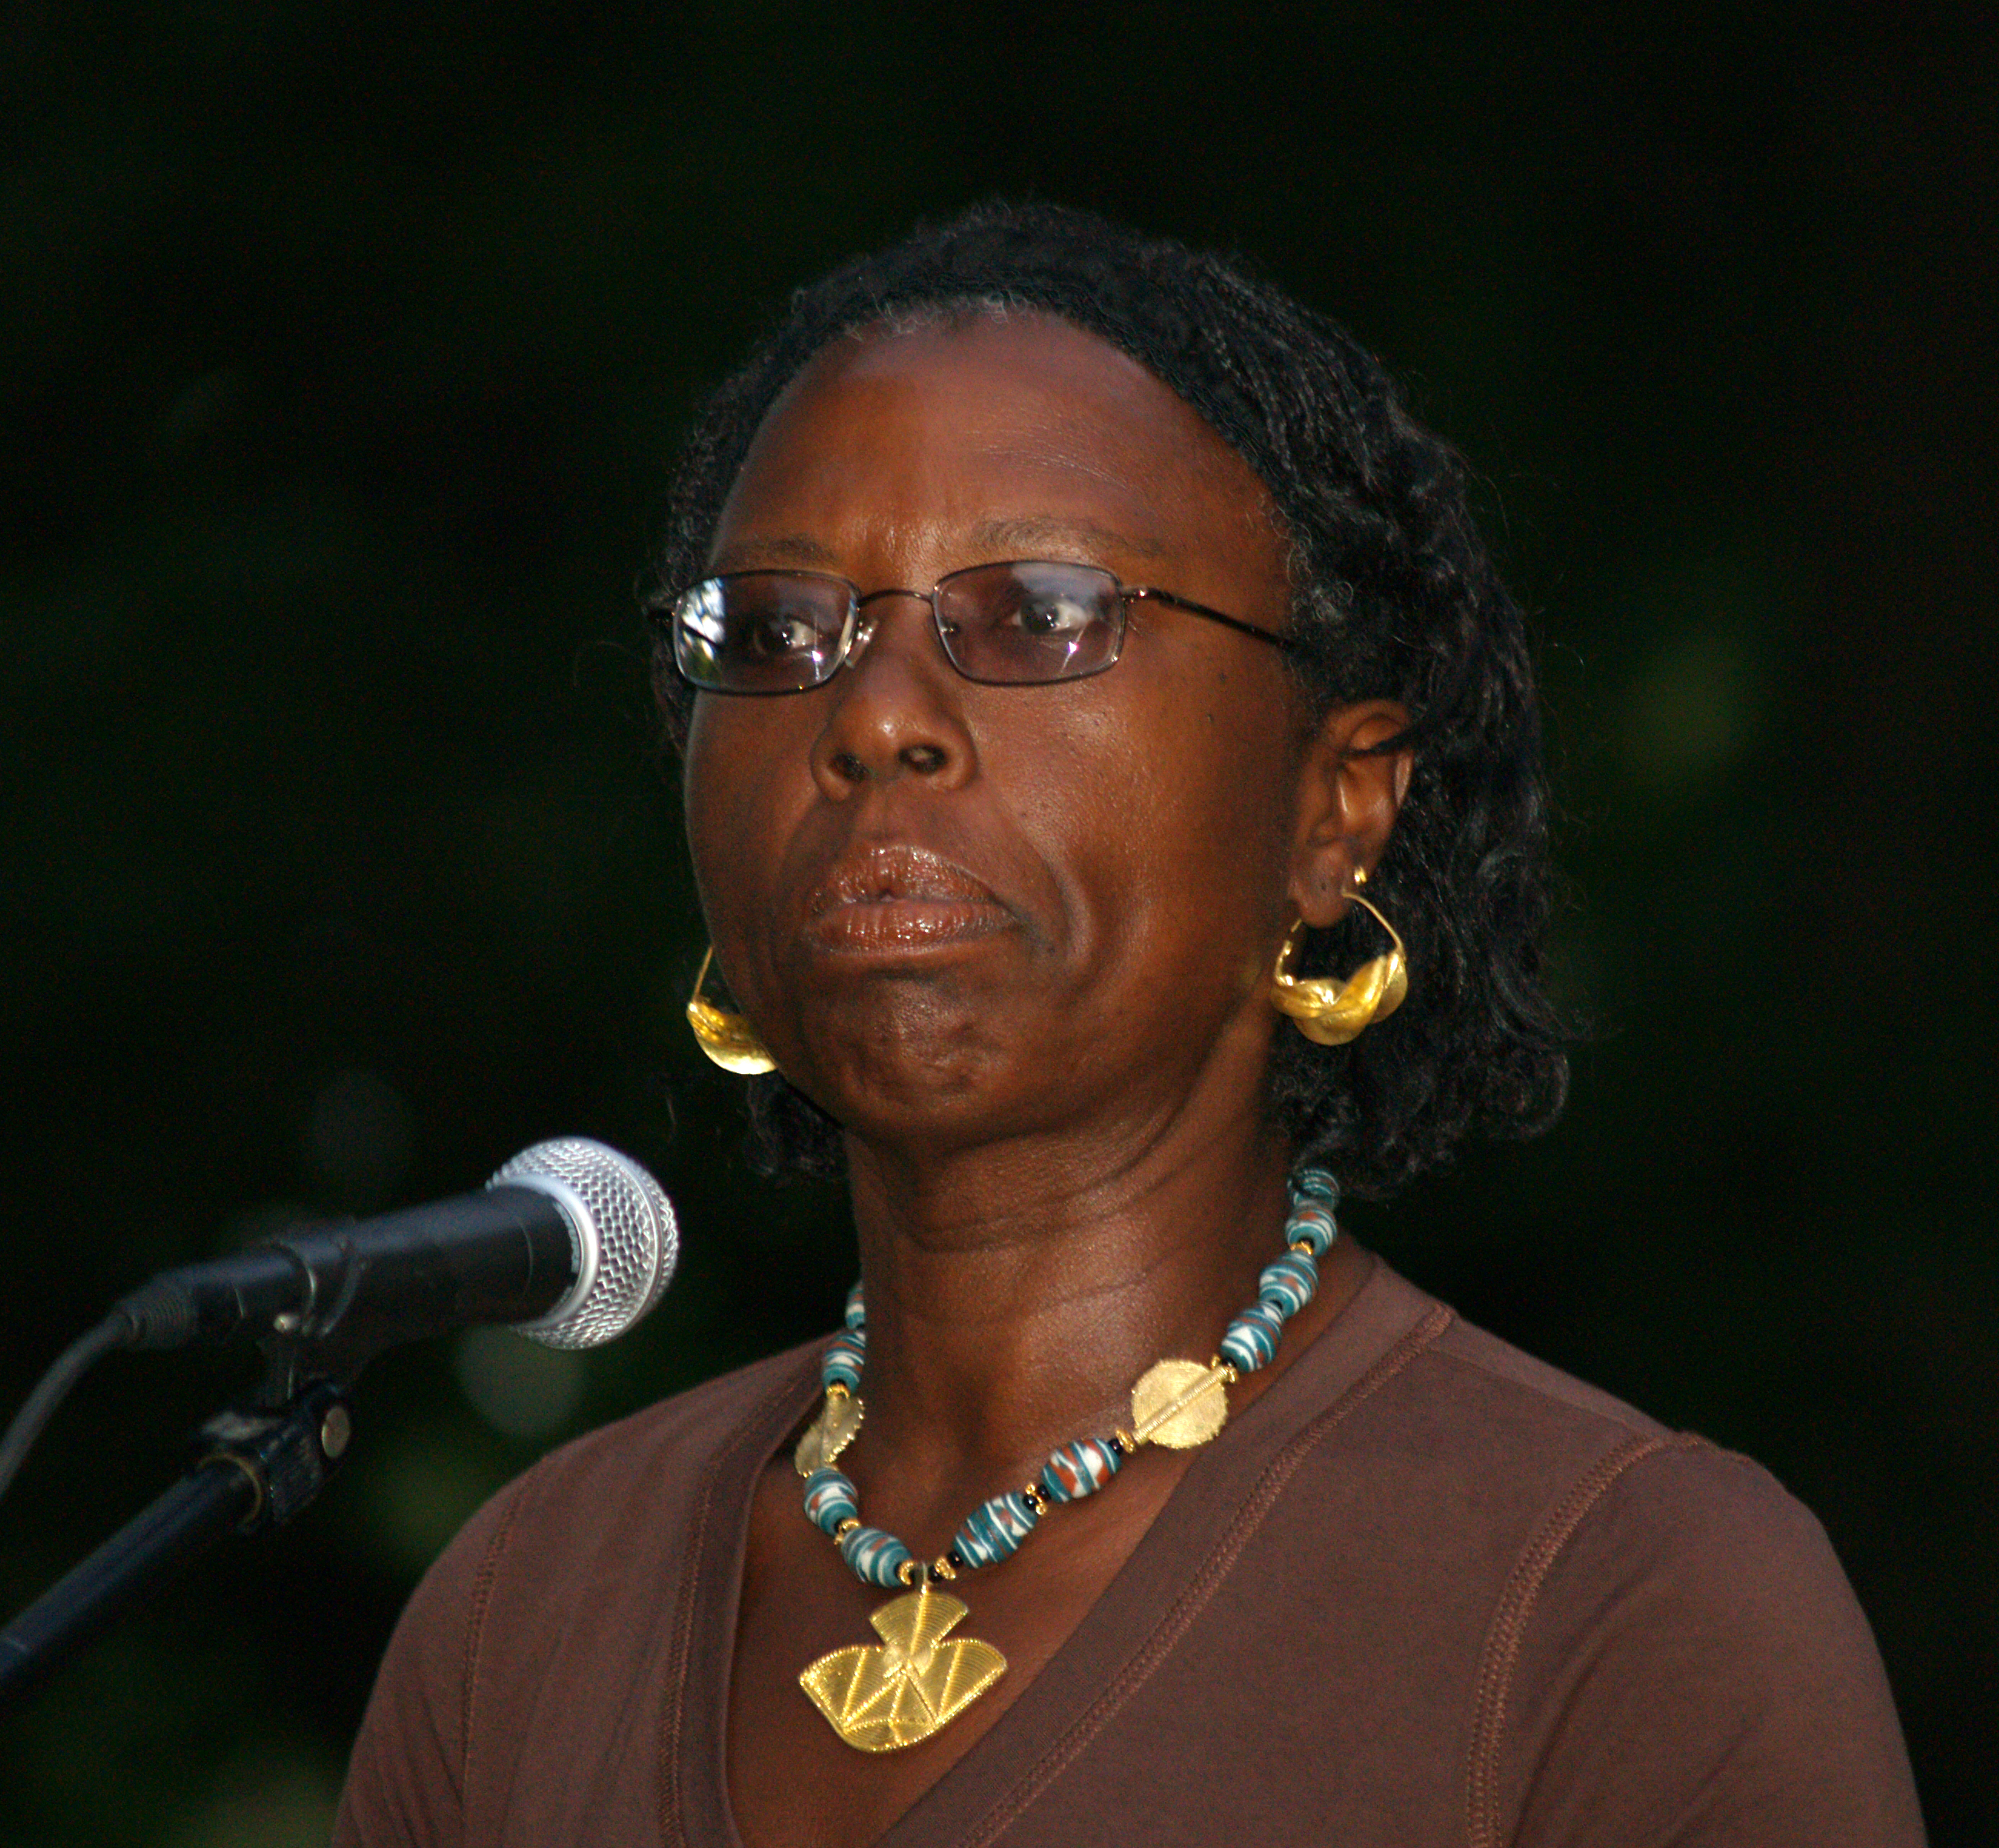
960, 912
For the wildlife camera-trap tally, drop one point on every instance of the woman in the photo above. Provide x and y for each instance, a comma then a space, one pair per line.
1070, 641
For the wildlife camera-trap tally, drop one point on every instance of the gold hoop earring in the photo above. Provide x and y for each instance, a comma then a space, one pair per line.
727, 1039
1330, 1012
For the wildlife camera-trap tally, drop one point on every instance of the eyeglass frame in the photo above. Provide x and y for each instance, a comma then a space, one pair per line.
857, 631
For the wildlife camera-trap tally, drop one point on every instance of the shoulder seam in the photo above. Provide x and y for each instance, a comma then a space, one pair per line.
1515, 1608
475, 1635
1630, 1419
1191, 1602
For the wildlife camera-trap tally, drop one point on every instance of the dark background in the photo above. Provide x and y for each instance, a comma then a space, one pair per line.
346, 352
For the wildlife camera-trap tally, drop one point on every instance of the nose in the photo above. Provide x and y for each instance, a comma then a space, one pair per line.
894, 708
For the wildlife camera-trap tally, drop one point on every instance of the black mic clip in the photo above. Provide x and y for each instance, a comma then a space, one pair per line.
316, 1345
316, 1272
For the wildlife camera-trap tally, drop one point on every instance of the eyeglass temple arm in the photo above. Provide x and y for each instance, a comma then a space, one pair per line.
1201, 609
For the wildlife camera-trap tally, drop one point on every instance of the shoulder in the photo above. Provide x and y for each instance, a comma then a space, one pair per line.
1611, 1495
600, 1491
635, 1481
1678, 1644
620, 1468
1421, 1425
1670, 1650
1521, 1408
1510, 1443
611, 1511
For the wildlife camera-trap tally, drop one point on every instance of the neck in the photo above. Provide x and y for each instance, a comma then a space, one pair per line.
1012, 1301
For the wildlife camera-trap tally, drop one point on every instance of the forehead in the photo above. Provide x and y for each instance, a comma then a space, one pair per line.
996, 421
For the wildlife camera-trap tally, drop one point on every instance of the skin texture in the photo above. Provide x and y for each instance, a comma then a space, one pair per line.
1013, 939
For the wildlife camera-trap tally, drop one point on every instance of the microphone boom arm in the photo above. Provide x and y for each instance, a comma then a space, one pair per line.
570, 1241
257, 1469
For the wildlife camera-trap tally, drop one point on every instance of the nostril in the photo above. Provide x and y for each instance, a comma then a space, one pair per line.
924, 759
849, 768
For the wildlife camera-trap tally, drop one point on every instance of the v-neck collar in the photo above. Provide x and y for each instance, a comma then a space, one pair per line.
1190, 1547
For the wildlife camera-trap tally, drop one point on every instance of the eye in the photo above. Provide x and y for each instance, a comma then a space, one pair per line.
1030, 621
769, 634
1040, 613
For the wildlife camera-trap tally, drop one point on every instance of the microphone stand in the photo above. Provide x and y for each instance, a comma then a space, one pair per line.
255, 1470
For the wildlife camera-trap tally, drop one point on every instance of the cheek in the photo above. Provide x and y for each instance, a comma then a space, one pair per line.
1165, 822
728, 807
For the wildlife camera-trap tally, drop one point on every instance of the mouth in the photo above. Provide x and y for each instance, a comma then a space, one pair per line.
890, 900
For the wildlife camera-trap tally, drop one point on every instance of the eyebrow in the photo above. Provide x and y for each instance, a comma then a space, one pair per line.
1013, 536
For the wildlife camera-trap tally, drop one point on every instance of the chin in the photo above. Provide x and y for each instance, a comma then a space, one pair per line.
941, 1090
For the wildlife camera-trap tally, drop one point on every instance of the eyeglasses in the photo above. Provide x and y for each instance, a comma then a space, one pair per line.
1022, 623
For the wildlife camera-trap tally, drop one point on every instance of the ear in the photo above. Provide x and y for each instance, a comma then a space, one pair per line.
1349, 795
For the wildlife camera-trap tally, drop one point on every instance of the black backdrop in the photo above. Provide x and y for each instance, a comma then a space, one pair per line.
345, 353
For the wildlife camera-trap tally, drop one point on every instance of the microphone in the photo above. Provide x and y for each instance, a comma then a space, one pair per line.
570, 1241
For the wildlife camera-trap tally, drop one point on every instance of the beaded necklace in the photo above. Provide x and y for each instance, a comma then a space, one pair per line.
919, 1678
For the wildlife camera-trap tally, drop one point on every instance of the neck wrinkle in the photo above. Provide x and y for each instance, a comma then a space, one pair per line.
1010, 1310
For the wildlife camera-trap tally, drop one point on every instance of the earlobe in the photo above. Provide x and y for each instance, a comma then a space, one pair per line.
1350, 793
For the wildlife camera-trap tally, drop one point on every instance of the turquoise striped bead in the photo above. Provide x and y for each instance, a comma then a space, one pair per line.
1080, 1468
875, 1556
1314, 1183
994, 1531
830, 1498
1251, 1338
845, 1356
1311, 1224
1287, 1283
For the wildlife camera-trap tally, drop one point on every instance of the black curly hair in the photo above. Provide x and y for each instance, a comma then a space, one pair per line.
1394, 596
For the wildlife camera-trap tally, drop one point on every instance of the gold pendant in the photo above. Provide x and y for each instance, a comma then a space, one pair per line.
879, 1698
1180, 1403
830, 1433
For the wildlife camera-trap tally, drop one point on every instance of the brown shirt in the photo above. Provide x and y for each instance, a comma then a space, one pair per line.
1424, 1590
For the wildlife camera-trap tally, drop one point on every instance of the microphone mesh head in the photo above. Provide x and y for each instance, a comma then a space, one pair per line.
627, 1242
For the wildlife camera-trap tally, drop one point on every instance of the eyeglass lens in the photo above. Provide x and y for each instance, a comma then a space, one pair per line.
1006, 624
762, 632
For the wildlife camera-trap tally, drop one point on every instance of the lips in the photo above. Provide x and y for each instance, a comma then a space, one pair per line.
889, 899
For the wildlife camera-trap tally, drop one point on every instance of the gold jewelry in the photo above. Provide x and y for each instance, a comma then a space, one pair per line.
1330, 1012
918, 1678
727, 1039
882, 1697
836, 1426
